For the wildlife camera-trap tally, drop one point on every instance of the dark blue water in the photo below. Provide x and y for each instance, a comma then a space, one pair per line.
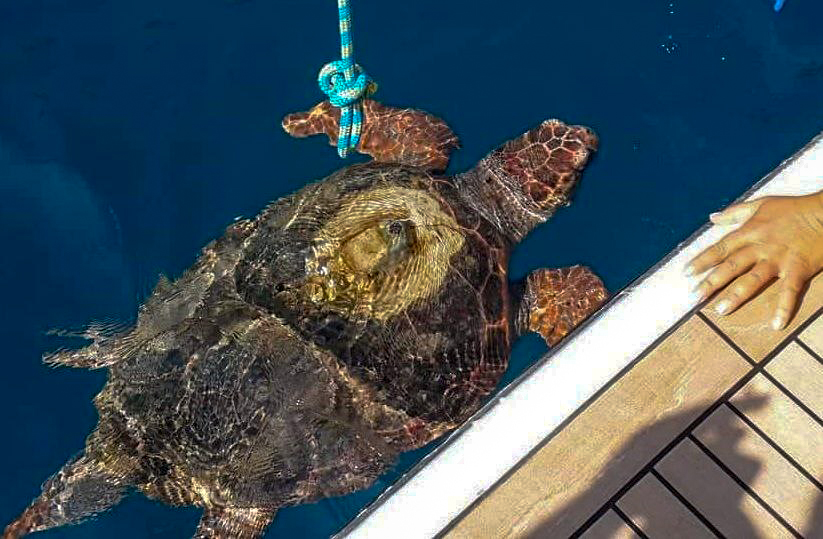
131, 133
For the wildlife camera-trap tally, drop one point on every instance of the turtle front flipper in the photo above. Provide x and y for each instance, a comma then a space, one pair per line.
233, 523
552, 302
81, 489
520, 184
390, 135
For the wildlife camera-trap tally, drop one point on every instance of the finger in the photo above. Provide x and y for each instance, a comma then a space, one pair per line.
737, 213
745, 287
717, 252
792, 285
725, 272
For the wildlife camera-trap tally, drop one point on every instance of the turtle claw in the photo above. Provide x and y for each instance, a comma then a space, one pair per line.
321, 119
390, 135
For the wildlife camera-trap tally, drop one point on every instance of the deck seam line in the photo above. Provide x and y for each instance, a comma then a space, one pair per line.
791, 337
783, 453
742, 484
629, 522
746, 378
728, 340
808, 349
800, 404
687, 504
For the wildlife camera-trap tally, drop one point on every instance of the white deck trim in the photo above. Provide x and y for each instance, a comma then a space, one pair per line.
503, 434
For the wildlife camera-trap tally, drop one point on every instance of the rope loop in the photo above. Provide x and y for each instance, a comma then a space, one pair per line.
341, 90
345, 83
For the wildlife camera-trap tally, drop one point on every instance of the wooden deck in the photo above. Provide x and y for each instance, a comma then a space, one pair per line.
716, 430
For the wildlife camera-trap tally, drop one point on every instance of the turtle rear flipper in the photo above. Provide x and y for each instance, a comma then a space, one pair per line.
390, 135
555, 301
81, 489
233, 523
520, 184
94, 356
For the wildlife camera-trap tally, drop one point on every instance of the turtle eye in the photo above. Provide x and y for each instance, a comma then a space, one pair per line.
395, 228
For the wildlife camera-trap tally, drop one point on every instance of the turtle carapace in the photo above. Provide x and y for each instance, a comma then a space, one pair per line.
360, 317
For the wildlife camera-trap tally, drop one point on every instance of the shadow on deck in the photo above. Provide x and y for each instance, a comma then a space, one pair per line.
716, 431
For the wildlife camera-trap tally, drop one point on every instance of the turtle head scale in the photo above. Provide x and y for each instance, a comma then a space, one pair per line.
520, 184
390, 135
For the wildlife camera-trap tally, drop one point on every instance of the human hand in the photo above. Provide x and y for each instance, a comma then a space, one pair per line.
779, 237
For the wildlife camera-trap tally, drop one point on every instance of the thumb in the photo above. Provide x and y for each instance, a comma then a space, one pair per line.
739, 213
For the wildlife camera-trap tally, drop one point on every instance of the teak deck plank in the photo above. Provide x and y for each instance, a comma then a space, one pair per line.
659, 513
813, 337
801, 374
610, 526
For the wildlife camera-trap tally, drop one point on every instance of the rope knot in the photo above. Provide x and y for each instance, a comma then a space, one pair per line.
341, 89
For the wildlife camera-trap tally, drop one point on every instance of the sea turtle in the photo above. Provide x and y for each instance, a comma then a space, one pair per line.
360, 317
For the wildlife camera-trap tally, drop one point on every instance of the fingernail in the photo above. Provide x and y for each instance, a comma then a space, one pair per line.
713, 216
689, 270
779, 321
722, 307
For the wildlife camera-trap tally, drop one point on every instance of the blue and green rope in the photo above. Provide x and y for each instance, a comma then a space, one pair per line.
346, 84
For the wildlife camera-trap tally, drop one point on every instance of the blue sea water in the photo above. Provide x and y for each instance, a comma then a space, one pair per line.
132, 133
